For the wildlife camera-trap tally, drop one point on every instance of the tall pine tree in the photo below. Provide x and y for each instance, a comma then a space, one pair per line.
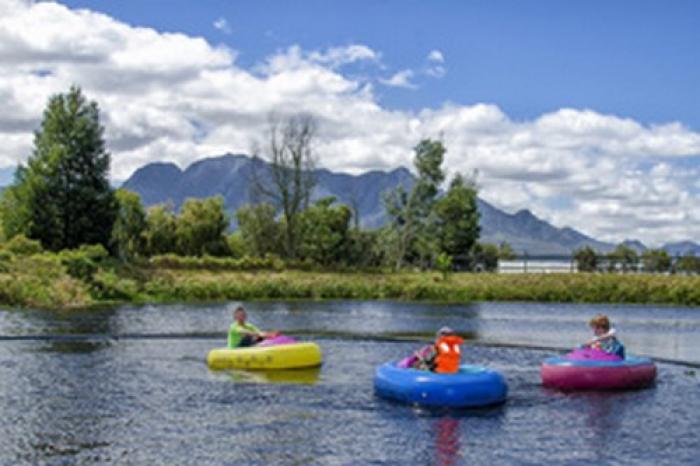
62, 197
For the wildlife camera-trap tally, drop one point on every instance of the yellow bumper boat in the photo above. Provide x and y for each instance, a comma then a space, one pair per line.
283, 354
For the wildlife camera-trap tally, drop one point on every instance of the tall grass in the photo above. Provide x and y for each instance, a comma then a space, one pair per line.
589, 288
87, 276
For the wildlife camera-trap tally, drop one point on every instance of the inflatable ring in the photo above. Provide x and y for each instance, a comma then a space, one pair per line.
572, 372
261, 357
472, 386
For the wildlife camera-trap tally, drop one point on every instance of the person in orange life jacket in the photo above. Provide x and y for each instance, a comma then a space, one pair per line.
447, 351
441, 357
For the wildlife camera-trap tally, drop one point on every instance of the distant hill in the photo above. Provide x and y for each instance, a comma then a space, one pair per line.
636, 245
682, 248
229, 176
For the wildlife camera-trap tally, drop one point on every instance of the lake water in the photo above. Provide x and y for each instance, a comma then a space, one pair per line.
130, 386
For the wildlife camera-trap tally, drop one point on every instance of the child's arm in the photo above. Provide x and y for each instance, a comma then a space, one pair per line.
610, 334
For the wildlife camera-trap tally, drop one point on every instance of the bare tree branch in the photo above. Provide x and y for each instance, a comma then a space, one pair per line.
288, 180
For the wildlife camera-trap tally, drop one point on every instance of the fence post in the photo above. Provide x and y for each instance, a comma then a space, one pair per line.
525, 262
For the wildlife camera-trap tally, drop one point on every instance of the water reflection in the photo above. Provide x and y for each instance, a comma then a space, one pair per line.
282, 376
447, 433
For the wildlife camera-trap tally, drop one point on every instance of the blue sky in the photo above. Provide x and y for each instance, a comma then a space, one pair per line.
635, 59
585, 112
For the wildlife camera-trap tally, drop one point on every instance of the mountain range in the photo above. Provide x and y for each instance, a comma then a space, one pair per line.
230, 175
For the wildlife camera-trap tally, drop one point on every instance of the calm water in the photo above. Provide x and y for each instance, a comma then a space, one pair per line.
130, 386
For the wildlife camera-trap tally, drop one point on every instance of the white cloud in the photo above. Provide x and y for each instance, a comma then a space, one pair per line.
435, 67
400, 79
436, 56
222, 25
178, 98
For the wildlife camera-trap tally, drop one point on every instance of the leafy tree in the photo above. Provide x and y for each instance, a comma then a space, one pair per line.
688, 264
128, 231
484, 257
366, 248
323, 232
506, 252
160, 234
623, 257
290, 179
201, 227
457, 218
412, 220
62, 197
237, 245
656, 260
259, 229
586, 259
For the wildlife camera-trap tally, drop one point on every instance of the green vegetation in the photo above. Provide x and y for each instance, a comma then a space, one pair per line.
87, 276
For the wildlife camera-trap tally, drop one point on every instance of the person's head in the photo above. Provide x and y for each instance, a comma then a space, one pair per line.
444, 331
600, 324
239, 315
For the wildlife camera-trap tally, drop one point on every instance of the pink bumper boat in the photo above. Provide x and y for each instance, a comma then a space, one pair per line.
592, 369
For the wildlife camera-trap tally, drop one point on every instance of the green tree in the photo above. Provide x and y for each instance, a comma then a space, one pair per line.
323, 233
484, 257
506, 252
201, 227
237, 245
586, 259
160, 234
656, 260
457, 218
62, 197
622, 258
412, 220
688, 264
259, 229
366, 248
128, 236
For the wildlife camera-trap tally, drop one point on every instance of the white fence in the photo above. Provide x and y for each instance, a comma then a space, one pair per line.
537, 266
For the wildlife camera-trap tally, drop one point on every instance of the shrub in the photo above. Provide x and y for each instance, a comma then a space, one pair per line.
82, 263
20, 245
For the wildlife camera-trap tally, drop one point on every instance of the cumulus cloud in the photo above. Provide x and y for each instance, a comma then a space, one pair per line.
222, 25
400, 79
178, 98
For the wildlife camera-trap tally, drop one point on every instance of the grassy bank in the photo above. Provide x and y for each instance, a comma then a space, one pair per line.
86, 278
459, 288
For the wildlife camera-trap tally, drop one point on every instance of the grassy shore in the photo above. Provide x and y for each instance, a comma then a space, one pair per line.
47, 281
458, 288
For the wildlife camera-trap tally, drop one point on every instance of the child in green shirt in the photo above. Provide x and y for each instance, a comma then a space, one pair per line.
242, 333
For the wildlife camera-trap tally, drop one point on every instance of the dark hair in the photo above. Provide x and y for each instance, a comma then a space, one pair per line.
239, 308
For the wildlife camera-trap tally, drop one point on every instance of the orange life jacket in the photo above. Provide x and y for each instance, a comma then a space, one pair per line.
448, 354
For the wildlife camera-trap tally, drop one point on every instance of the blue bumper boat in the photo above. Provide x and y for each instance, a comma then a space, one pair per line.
472, 386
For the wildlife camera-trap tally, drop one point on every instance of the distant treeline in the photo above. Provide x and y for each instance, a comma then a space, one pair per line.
626, 260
